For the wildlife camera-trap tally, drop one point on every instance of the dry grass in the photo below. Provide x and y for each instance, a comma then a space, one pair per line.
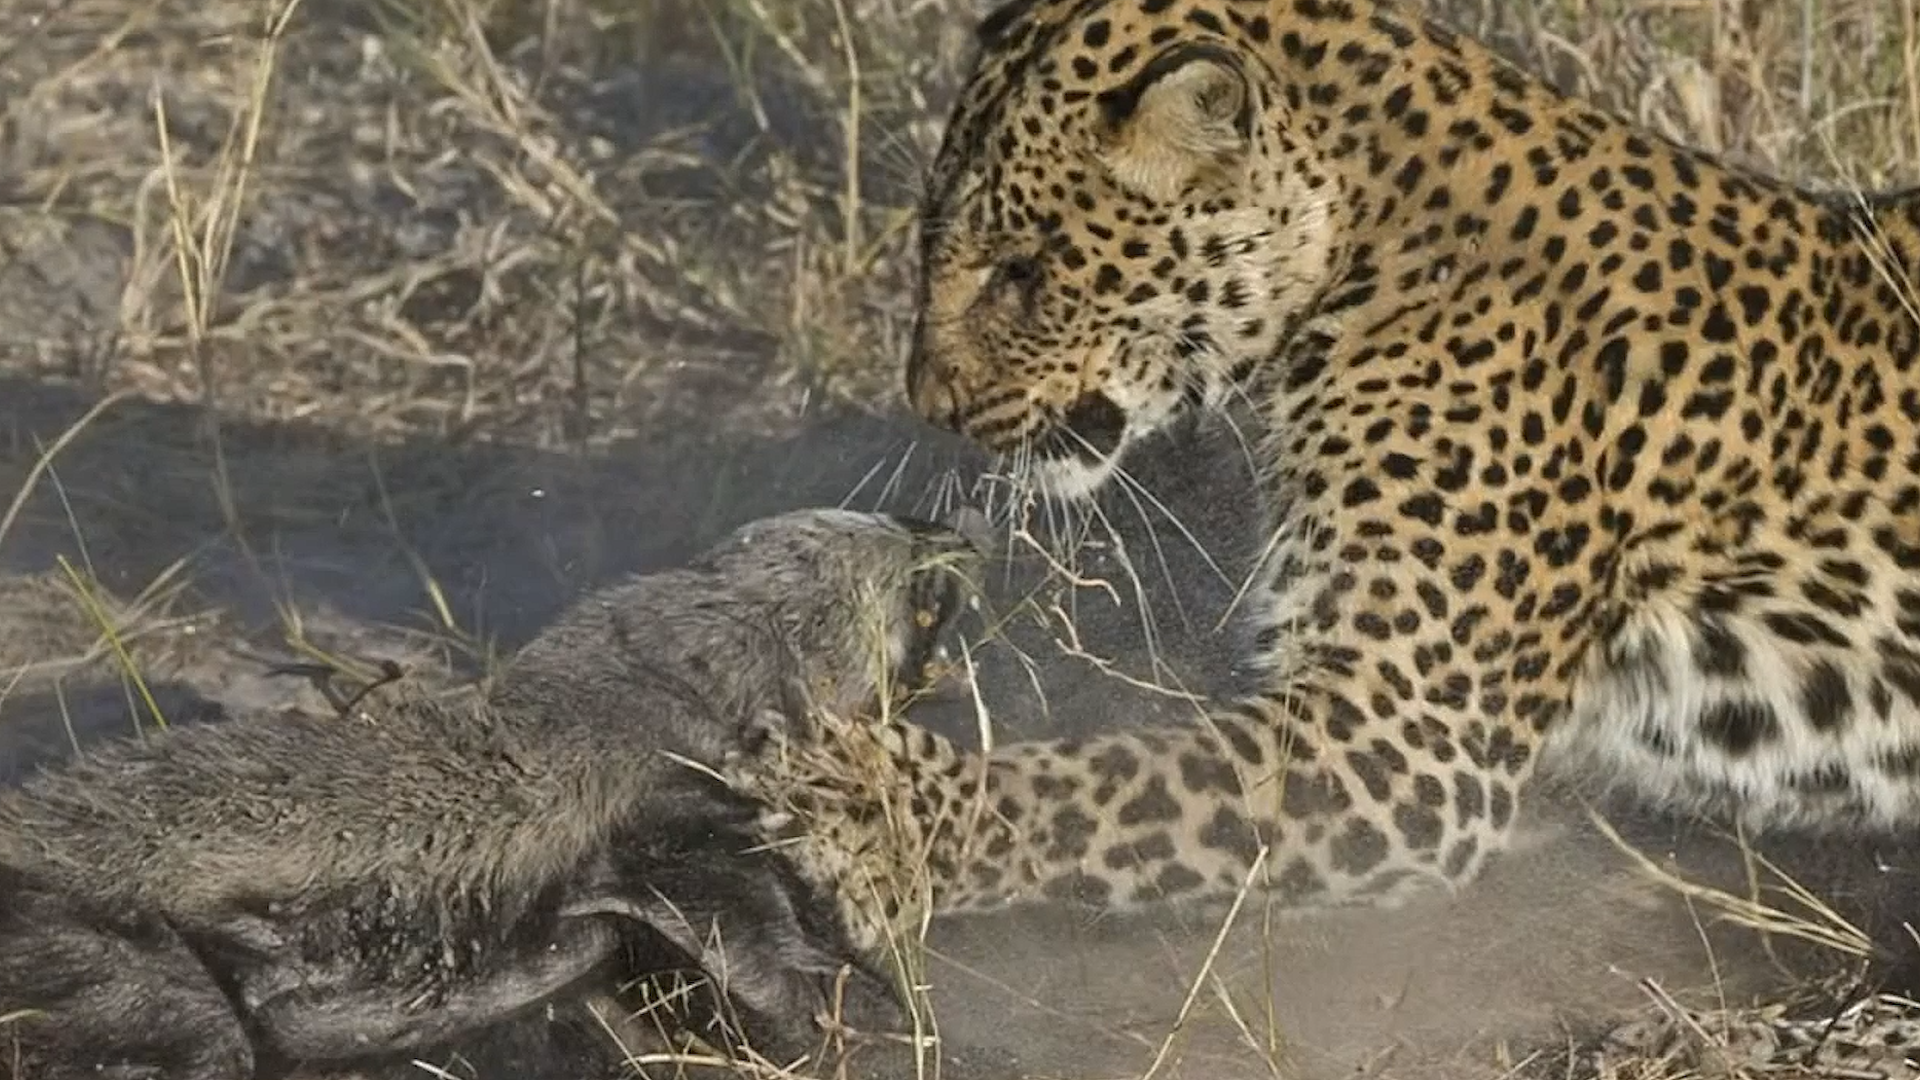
263, 207
648, 202
558, 223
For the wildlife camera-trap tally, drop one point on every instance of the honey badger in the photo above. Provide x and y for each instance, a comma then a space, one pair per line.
281, 888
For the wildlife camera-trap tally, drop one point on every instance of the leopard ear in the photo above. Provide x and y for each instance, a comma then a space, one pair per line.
994, 25
1184, 118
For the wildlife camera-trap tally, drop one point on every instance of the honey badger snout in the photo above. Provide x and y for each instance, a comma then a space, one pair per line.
939, 589
963, 533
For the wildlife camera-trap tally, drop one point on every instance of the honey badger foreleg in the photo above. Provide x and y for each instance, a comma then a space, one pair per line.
769, 946
371, 1015
103, 996
115, 997
687, 895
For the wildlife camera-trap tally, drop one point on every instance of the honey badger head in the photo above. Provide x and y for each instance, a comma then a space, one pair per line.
857, 603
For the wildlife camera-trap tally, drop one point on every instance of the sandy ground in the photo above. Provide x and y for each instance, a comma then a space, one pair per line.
451, 396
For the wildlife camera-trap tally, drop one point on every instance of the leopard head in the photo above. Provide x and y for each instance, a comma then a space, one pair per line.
1119, 228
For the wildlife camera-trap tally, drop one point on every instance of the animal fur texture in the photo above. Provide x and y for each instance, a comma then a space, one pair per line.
213, 902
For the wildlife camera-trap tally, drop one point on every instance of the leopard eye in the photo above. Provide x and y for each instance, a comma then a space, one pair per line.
1021, 275
1020, 270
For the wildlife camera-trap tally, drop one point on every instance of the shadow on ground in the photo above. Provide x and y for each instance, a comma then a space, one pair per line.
441, 551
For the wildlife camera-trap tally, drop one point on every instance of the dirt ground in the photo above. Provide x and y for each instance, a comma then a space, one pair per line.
377, 331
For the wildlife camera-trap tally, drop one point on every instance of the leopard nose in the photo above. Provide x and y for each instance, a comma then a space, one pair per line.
932, 392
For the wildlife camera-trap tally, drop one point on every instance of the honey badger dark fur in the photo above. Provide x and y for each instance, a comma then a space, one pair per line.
282, 888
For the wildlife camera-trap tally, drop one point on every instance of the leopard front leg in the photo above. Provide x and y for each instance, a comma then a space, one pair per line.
1308, 795
1348, 788
1410, 678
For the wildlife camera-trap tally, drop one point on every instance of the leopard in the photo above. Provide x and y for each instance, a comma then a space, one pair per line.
1584, 453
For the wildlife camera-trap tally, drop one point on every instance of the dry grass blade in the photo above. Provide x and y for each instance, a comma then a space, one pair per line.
1258, 868
44, 460
110, 633
203, 230
1822, 925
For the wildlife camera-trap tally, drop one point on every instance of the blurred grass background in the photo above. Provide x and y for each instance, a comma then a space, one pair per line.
557, 221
